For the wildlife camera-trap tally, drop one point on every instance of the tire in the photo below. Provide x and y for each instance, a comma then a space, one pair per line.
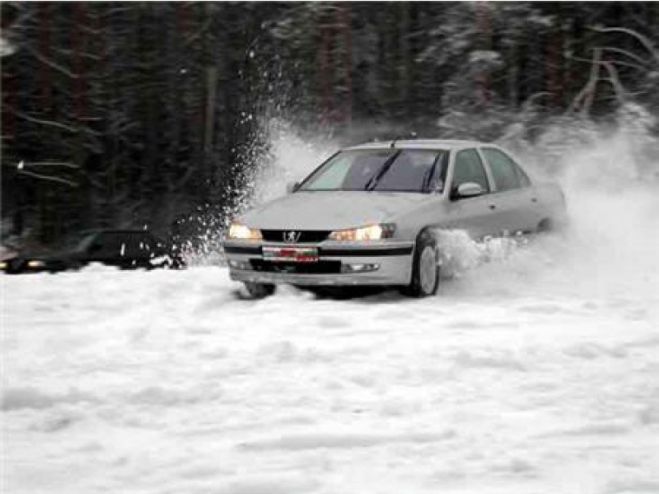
259, 290
546, 225
425, 268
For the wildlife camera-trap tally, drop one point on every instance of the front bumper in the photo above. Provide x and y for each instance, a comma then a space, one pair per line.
386, 262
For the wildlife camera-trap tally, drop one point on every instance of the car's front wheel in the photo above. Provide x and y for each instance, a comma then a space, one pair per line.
259, 290
425, 267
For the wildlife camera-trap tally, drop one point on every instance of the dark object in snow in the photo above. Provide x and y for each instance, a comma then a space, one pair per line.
126, 249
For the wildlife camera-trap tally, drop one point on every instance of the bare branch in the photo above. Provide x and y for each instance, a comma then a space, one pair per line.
628, 64
614, 79
48, 177
54, 163
624, 52
644, 40
190, 39
85, 54
530, 101
615, 62
41, 121
50, 63
584, 99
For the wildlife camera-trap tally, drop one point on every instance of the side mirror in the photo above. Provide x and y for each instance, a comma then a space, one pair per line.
469, 189
292, 187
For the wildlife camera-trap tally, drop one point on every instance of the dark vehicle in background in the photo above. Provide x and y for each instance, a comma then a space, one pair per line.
125, 249
7, 253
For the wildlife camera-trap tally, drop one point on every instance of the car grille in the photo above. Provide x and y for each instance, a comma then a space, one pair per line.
320, 267
306, 236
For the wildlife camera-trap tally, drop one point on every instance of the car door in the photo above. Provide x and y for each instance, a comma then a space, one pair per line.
133, 253
148, 250
513, 193
106, 248
473, 214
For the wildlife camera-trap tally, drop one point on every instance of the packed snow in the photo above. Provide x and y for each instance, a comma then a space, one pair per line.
534, 370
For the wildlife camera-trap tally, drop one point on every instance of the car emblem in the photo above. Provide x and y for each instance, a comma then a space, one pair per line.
292, 236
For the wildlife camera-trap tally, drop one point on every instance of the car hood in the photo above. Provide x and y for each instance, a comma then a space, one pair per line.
324, 210
55, 255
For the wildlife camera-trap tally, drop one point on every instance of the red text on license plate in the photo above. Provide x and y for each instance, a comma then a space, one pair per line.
290, 254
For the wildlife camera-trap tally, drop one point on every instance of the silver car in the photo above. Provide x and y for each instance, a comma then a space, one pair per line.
368, 214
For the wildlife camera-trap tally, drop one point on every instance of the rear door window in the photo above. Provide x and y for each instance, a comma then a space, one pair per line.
506, 173
469, 168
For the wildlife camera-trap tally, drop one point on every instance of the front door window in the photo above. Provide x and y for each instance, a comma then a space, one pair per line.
469, 168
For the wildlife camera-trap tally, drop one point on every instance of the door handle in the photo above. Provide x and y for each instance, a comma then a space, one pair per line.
492, 206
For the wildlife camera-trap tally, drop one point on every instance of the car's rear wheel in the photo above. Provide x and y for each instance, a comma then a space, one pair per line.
259, 290
425, 268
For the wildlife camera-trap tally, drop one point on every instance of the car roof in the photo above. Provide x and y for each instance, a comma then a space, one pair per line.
448, 144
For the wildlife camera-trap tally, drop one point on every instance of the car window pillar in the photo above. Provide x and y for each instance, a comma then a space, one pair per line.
448, 186
488, 170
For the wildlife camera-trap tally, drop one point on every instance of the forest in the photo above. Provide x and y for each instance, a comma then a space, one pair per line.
136, 114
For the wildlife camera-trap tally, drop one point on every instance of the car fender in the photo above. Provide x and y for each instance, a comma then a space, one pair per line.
552, 205
429, 214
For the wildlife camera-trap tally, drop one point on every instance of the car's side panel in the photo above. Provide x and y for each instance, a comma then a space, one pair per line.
516, 208
515, 211
550, 205
430, 213
473, 214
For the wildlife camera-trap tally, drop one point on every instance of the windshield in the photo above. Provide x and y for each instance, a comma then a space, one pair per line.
392, 170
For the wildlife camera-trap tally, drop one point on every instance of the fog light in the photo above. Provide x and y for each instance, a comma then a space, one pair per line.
359, 268
239, 265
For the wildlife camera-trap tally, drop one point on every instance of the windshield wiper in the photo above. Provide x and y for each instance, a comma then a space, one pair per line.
429, 174
373, 181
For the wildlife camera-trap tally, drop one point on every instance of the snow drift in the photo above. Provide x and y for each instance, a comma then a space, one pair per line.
534, 370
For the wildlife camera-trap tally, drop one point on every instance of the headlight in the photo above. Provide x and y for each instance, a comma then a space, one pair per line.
371, 232
3, 265
36, 264
241, 232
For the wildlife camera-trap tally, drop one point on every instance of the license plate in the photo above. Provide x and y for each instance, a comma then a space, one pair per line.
290, 254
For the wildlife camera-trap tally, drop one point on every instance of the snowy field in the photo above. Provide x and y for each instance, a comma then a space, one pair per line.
535, 370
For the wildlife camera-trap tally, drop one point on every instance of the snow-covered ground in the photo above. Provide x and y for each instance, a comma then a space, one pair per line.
536, 371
